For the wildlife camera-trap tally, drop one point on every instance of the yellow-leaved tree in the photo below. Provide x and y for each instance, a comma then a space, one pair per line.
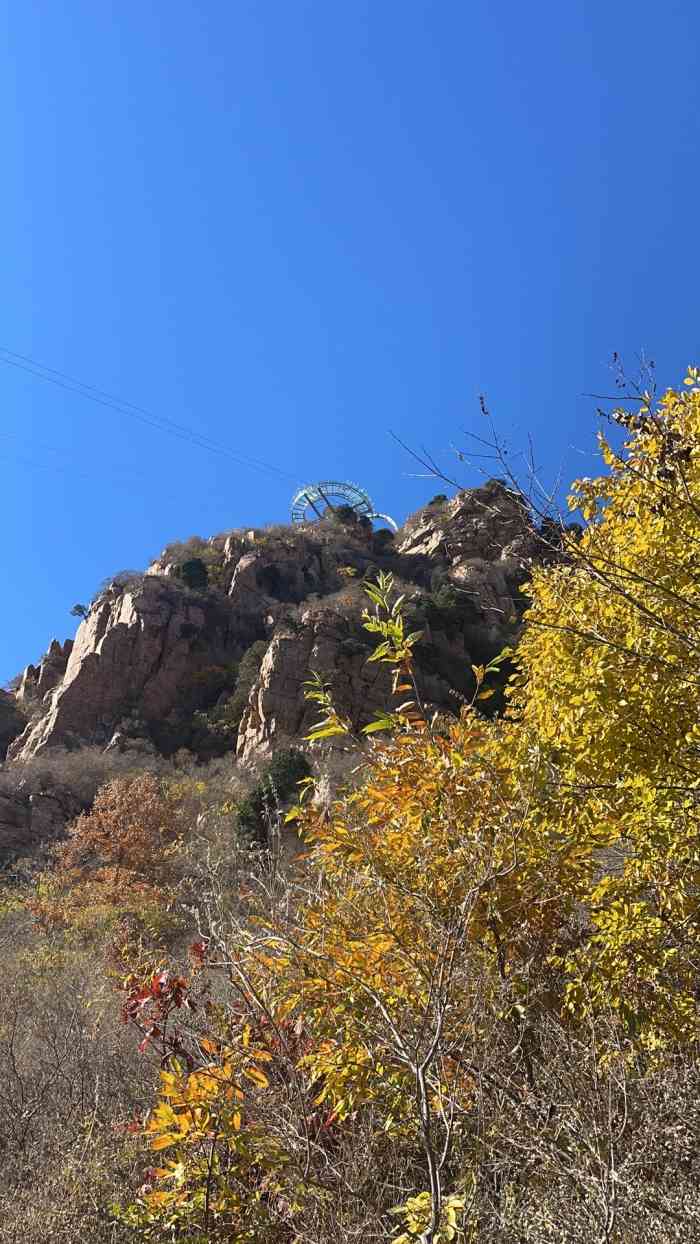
458, 1014
608, 698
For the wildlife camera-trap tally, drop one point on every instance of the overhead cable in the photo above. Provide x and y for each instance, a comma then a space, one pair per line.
160, 422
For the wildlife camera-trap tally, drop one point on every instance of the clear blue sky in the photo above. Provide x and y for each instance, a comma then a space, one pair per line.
295, 224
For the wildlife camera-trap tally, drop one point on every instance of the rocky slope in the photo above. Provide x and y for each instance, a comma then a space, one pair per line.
210, 649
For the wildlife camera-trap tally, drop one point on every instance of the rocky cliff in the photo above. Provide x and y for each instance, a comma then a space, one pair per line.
210, 648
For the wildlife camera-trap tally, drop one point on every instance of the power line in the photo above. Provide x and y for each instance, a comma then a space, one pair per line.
118, 479
102, 398
160, 422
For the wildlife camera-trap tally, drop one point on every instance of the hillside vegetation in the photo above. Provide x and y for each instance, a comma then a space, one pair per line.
464, 1006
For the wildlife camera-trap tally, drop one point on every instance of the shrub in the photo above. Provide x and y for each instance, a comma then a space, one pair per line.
229, 714
346, 515
182, 550
122, 581
117, 857
213, 728
194, 574
208, 684
70, 1085
287, 768
81, 772
12, 722
445, 600
382, 540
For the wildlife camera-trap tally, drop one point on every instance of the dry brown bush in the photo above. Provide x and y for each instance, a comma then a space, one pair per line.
81, 771
69, 1079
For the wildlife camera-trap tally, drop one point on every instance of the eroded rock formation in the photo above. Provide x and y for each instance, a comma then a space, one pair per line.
152, 654
136, 648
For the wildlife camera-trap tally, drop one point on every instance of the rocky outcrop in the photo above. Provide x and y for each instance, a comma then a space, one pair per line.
261, 569
37, 681
137, 646
324, 643
486, 544
482, 523
12, 721
151, 649
33, 813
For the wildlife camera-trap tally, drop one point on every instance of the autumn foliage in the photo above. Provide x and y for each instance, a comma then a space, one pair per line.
450, 1020
469, 1010
117, 855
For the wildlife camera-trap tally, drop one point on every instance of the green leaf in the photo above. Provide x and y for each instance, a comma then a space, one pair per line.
381, 723
380, 651
325, 732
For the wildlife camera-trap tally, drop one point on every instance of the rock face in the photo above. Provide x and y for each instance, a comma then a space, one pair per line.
12, 721
29, 815
486, 524
486, 542
261, 570
153, 654
324, 643
37, 681
136, 647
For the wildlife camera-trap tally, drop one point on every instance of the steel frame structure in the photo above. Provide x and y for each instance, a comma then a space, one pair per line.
333, 492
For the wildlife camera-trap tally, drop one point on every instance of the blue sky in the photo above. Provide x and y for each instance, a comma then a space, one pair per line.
293, 226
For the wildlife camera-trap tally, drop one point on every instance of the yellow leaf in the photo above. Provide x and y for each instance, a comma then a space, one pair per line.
257, 1076
159, 1197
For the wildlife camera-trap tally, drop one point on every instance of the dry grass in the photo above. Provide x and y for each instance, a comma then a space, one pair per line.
69, 1076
